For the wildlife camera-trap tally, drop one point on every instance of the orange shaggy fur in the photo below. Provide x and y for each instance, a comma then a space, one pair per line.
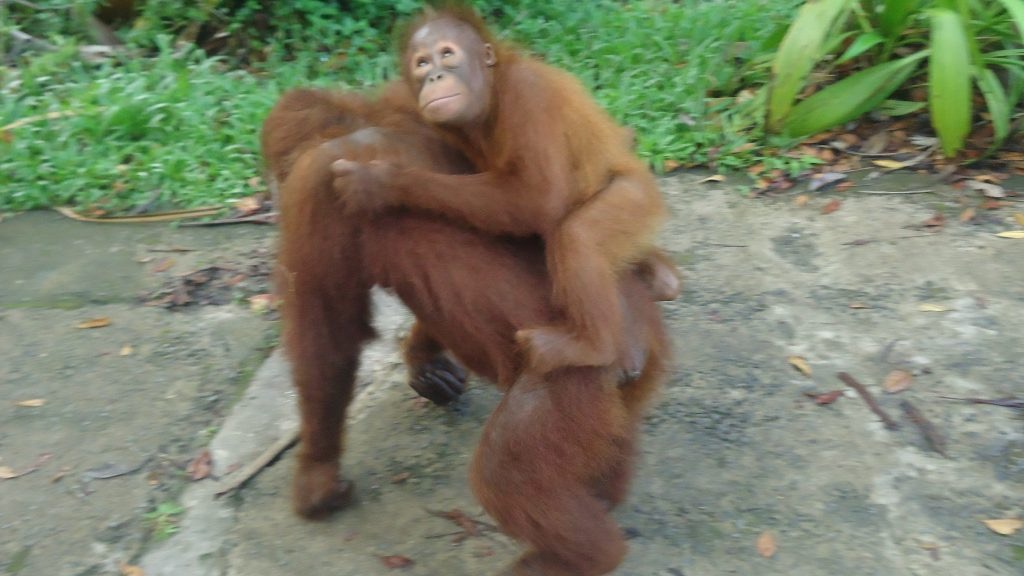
557, 453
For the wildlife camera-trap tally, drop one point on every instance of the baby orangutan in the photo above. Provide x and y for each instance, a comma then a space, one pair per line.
549, 161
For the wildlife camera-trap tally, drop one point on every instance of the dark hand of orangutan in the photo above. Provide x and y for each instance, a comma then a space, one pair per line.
441, 381
363, 186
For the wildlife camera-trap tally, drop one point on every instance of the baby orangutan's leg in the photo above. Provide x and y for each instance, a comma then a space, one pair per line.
588, 251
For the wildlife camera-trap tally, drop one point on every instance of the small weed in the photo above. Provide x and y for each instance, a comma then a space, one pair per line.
164, 520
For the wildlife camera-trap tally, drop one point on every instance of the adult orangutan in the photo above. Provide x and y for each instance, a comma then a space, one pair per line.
550, 162
557, 453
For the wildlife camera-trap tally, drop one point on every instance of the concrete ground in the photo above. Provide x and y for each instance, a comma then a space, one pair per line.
733, 450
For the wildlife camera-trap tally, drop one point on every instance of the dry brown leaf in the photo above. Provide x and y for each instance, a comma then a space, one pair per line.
60, 474
670, 165
6, 473
889, 164
766, 545
1015, 234
929, 307
849, 139
462, 521
200, 466
992, 204
1019, 217
967, 215
396, 561
263, 302
33, 403
990, 178
827, 398
819, 181
248, 205
1004, 526
164, 265
254, 182
126, 350
989, 190
877, 143
897, 381
131, 570
831, 207
859, 306
400, 477
715, 178
937, 220
94, 323
800, 364
801, 200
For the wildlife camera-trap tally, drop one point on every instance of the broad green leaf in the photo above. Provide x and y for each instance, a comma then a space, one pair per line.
862, 44
800, 49
949, 80
834, 42
894, 16
998, 105
900, 107
850, 97
1016, 10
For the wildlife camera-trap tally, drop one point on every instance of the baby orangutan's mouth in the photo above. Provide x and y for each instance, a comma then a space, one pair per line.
441, 99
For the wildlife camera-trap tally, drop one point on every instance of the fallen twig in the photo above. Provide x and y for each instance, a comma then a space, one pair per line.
922, 191
866, 154
160, 217
268, 218
250, 470
10, 474
106, 472
172, 249
1007, 402
864, 241
890, 424
28, 38
469, 527
931, 434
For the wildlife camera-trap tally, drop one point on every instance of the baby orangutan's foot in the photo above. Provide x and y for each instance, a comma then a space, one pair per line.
551, 347
661, 275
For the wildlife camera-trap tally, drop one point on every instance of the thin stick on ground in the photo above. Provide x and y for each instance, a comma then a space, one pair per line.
1008, 402
935, 439
250, 470
890, 424
921, 191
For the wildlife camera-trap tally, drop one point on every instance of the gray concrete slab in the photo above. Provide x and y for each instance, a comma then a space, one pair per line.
733, 449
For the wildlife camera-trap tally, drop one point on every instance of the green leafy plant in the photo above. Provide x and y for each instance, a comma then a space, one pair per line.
878, 47
164, 519
171, 119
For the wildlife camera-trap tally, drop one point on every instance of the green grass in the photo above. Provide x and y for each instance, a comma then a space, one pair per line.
179, 129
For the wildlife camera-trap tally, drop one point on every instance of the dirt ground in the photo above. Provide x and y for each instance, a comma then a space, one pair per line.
733, 450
